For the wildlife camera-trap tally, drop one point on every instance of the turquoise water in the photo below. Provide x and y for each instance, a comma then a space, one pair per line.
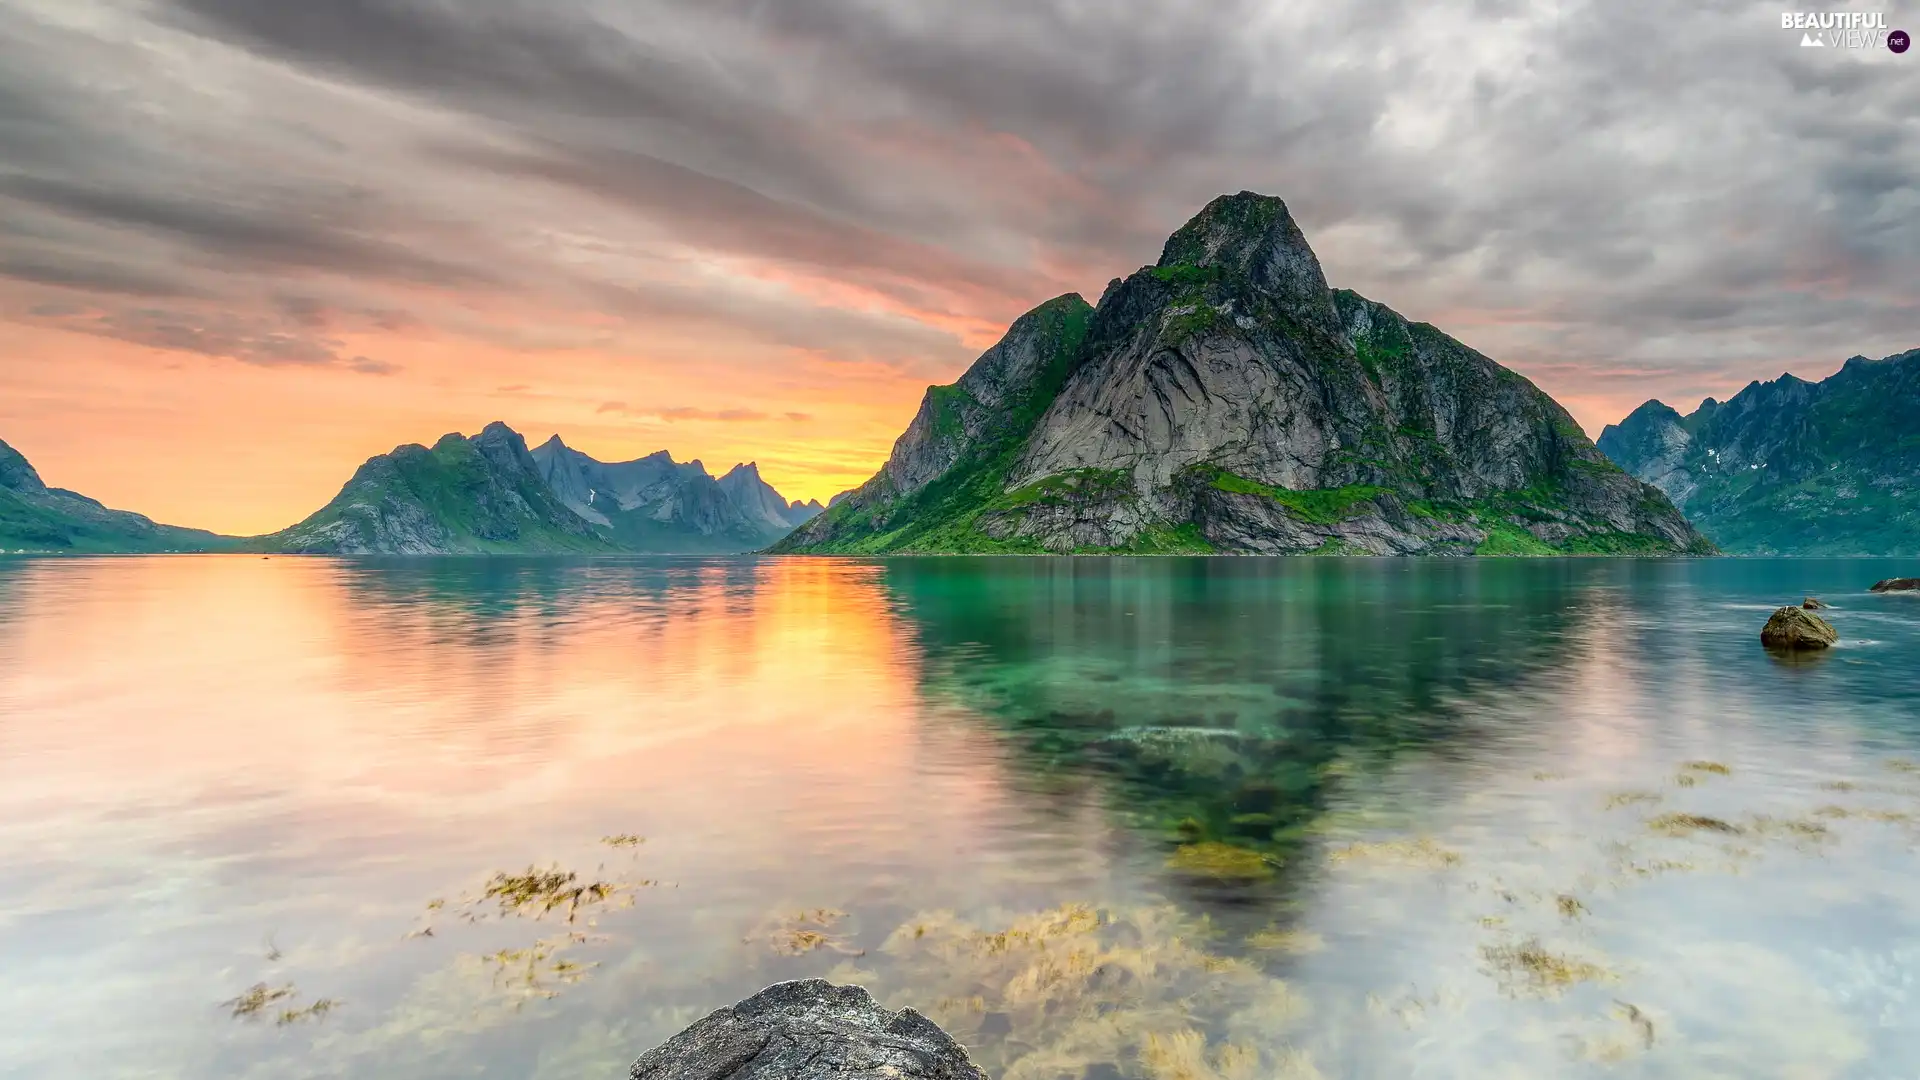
1165, 819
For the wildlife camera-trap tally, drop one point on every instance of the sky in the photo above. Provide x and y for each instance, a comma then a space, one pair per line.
246, 244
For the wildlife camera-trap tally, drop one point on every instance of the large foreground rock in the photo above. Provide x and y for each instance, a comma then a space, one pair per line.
1897, 584
807, 1030
1797, 628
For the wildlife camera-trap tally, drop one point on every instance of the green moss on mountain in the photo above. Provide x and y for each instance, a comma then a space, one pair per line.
943, 514
37, 518
1320, 506
482, 495
1225, 399
1791, 467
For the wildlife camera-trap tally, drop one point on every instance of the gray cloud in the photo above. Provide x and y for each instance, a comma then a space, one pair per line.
284, 238
365, 366
259, 341
1610, 196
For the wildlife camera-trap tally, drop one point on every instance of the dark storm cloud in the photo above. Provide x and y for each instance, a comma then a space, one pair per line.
1584, 189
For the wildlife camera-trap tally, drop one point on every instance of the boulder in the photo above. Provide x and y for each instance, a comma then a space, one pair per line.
1796, 628
809, 1030
1814, 603
1897, 584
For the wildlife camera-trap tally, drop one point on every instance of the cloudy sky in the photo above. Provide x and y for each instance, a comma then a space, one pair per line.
244, 244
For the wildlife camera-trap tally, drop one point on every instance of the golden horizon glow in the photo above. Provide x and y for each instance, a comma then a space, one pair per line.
243, 449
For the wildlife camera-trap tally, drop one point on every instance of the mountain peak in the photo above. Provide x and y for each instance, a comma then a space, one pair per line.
1237, 232
1227, 400
1255, 237
553, 442
1794, 467
1654, 408
16, 472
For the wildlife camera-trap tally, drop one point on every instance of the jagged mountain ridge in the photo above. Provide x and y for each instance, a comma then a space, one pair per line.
35, 517
491, 494
1225, 399
462, 496
1791, 467
656, 504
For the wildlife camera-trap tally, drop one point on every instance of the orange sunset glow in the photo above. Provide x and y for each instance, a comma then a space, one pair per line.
242, 251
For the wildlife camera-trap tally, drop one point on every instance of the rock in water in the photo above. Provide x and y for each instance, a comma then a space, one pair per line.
808, 1030
1795, 628
1814, 603
1897, 584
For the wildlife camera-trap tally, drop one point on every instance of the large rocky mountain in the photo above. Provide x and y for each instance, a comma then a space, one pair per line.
1225, 399
490, 494
35, 517
1789, 466
656, 504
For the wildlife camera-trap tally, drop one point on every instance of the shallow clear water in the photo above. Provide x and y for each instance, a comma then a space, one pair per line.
1158, 818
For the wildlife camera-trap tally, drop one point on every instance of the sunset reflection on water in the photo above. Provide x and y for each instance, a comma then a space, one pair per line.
222, 771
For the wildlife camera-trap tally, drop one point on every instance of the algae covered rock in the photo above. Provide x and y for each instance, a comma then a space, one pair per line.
1897, 584
807, 1030
1797, 628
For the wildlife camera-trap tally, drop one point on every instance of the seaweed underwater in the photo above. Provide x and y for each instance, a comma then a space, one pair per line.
1164, 991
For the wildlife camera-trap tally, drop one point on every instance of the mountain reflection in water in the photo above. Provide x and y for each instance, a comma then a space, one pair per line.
1170, 819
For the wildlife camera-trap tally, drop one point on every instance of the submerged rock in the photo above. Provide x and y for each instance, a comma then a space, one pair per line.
807, 1030
1897, 584
1795, 628
1814, 603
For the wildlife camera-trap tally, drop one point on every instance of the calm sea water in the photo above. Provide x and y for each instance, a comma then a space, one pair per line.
1167, 819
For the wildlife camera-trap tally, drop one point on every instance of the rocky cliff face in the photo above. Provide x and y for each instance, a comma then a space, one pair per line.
655, 504
464, 495
760, 503
35, 517
1651, 443
1792, 467
1225, 399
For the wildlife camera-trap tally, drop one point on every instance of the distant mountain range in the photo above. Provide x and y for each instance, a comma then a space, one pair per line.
35, 517
489, 493
484, 494
1791, 467
1226, 399
655, 504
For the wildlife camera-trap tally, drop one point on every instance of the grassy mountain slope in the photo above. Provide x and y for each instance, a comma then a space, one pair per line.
1226, 400
1792, 467
35, 517
478, 495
